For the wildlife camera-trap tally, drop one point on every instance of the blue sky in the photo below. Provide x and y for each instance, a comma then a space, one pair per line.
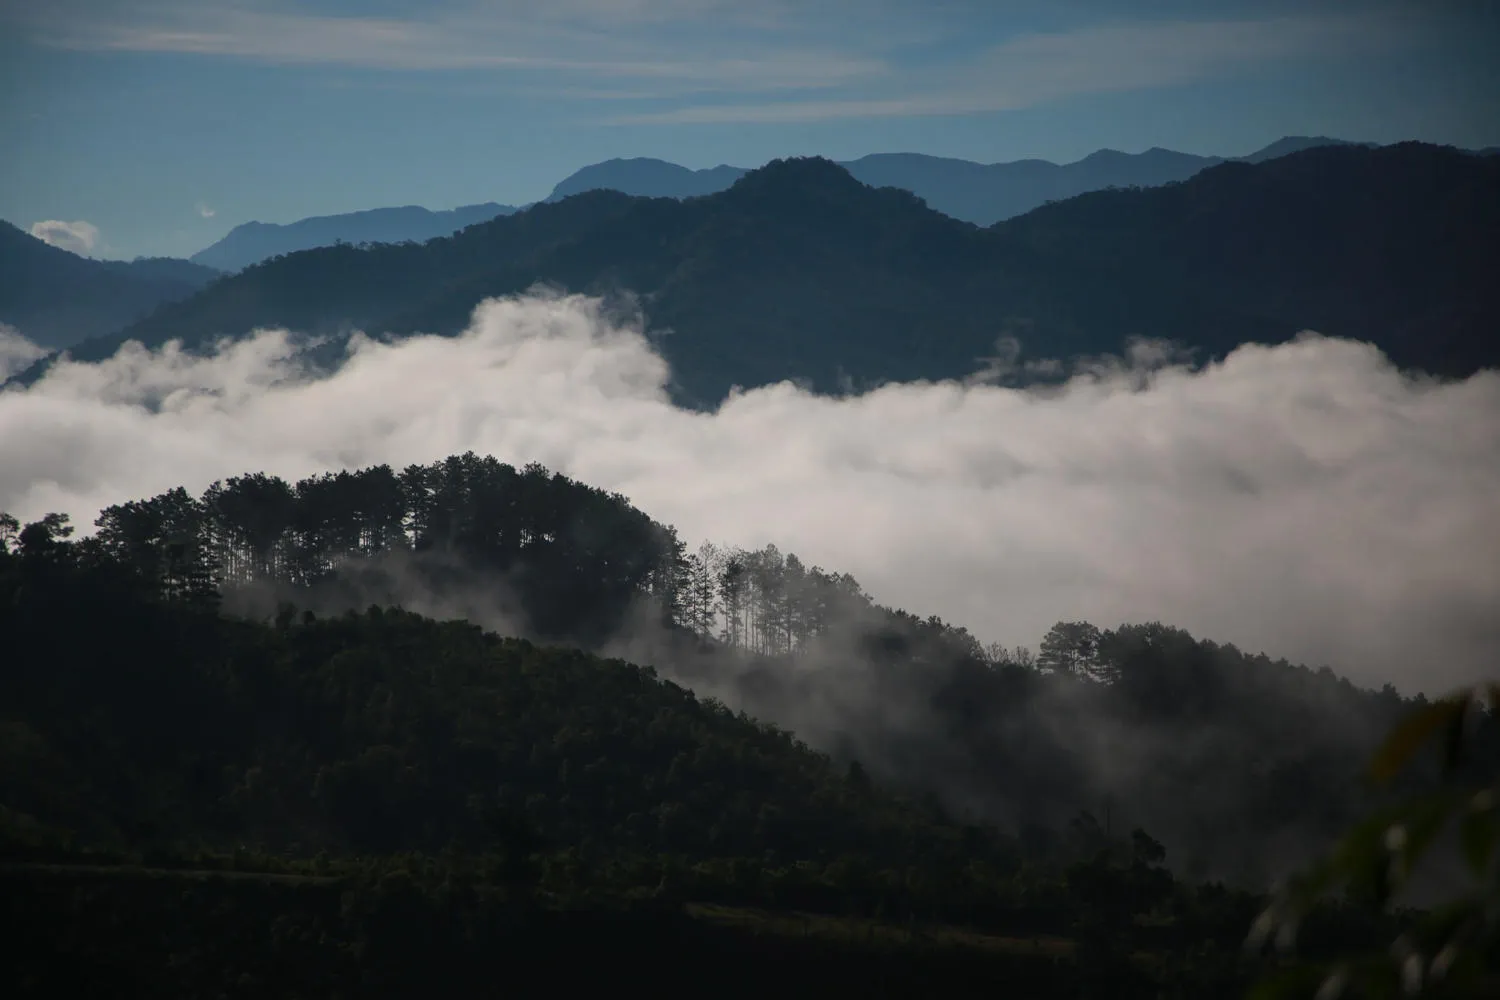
163, 123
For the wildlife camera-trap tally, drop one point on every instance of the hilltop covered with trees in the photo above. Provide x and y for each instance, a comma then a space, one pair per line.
1236, 762
376, 802
346, 798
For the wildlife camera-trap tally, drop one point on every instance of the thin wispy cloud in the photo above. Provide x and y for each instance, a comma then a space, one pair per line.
614, 39
204, 210
1309, 500
1034, 69
870, 63
76, 237
16, 352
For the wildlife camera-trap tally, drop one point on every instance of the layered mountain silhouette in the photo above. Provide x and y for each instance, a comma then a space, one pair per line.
648, 178
57, 298
975, 192
799, 271
981, 193
257, 241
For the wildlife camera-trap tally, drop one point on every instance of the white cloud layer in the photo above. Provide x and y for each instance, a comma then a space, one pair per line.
16, 352
77, 237
1308, 500
698, 43
1034, 69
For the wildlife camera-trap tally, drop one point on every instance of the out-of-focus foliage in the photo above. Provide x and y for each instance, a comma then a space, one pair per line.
1452, 949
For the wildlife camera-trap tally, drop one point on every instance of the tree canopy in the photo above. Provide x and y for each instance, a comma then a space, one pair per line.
190, 690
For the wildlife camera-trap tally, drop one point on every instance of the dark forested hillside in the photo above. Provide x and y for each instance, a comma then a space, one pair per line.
374, 802
341, 778
1392, 245
56, 298
799, 271
382, 731
1237, 763
222, 770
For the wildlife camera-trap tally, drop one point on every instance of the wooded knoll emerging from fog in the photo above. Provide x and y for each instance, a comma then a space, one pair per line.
1240, 764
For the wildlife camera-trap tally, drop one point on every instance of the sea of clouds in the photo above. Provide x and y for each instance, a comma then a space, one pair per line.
1308, 500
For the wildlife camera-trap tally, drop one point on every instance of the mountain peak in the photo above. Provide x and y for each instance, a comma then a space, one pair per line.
1289, 144
1105, 155
798, 175
646, 177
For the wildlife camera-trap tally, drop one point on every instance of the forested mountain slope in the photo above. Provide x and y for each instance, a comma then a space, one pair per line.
1238, 764
167, 727
798, 271
57, 298
205, 787
1394, 246
376, 802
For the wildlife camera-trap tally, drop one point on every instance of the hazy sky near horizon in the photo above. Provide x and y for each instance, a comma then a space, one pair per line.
154, 126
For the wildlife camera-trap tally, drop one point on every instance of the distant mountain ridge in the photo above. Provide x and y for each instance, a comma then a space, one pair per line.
981, 193
799, 271
647, 178
57, 298
973, 192
254, 242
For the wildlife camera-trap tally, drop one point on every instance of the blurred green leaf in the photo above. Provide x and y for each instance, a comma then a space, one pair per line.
1425, 819
1413, 731
1451, 950
1478, 832
1301, 980
1367, 843
1454, 742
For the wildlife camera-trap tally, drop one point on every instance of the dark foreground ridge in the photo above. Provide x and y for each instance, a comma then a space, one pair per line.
379, 803
1088, 735
375, 803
